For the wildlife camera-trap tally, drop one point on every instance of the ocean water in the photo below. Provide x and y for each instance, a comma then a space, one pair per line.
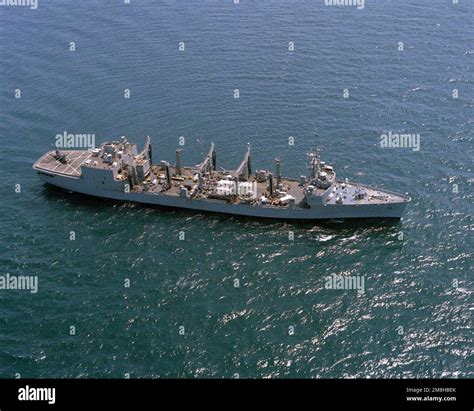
236, 297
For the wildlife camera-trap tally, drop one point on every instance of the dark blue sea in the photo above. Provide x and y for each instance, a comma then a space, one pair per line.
237, 297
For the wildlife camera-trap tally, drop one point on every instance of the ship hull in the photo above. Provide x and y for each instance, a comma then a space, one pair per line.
338, 211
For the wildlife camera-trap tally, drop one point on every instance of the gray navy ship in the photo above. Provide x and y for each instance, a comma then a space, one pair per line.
116, 170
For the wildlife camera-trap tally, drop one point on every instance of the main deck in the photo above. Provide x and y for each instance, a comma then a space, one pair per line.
187, 179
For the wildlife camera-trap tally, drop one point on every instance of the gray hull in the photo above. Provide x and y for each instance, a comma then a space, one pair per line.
330, 211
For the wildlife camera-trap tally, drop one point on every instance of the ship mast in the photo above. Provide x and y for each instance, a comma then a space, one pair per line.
314, 157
